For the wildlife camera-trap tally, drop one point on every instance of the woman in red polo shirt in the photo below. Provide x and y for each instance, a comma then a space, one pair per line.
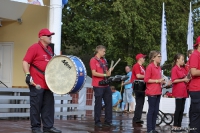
179, 89
153, 81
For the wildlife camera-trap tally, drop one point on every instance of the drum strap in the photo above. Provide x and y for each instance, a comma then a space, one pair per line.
47, 51
103, 65
38, 69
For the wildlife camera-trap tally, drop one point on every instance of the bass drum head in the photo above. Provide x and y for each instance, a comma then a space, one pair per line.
60, 74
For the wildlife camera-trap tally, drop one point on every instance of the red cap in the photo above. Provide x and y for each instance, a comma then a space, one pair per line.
45, 32
138, 56
197, 41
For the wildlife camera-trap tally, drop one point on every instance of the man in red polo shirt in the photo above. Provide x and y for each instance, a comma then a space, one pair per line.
194, 88
138, 72
98, 65
41, 100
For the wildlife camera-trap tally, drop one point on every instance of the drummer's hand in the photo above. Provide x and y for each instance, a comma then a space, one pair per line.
28, 79
108, 73
111, 69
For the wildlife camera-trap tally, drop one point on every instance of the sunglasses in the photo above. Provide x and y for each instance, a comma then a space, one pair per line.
47, 35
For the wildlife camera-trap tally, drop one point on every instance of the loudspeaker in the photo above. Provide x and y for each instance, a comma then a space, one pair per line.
52, 46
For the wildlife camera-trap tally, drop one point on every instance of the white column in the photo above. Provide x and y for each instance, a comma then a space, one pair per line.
55, 18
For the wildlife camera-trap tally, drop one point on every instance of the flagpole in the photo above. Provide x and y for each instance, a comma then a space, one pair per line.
190, 33
163, 37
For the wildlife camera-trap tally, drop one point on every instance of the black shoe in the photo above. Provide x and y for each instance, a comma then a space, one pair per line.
138, 121
36, 131
183, 130
53, 130
155, 131
98, 125
152, 131
176, 130
107, 124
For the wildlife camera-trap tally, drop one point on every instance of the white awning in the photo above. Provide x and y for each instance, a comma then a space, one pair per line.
10, 10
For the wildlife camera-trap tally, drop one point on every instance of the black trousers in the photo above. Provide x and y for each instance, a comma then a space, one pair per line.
178, 115
195, 111
139, 99
106, 94
42, 108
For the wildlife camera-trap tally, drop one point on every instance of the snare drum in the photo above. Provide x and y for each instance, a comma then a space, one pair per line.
65, 74
139, 85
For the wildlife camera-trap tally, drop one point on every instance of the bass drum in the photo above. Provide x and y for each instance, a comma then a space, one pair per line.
65, 74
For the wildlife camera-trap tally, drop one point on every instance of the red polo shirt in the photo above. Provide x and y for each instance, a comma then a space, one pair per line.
95, 65
179, 90
194, 62
153, 72
37, 56
137, 69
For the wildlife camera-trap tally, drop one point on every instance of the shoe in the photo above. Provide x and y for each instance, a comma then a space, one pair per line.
176, 129
152, 131
138, 121
98, 125
53, 130
131, 111
36, 131
107, 124
183, 130
155, 131
125, 111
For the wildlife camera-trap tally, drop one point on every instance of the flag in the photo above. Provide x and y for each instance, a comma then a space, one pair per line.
163, 37
34, 2
190, 32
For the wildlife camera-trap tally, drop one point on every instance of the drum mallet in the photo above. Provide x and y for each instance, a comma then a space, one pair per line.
36, 85
116, 63
111, 65
121, 87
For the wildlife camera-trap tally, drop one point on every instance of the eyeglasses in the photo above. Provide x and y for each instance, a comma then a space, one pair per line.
47, 35
159, 56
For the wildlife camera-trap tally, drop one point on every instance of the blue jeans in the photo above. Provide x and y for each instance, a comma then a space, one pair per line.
154, 102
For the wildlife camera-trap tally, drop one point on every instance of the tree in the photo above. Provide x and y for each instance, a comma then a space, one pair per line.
126, 28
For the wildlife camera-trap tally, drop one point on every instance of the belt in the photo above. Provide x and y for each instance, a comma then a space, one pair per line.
155, 96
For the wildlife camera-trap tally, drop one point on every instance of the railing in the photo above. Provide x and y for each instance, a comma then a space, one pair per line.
16, 102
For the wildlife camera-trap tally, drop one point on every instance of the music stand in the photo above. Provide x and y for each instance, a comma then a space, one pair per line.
3, 84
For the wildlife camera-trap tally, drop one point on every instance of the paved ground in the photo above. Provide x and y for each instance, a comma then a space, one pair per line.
122, 124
